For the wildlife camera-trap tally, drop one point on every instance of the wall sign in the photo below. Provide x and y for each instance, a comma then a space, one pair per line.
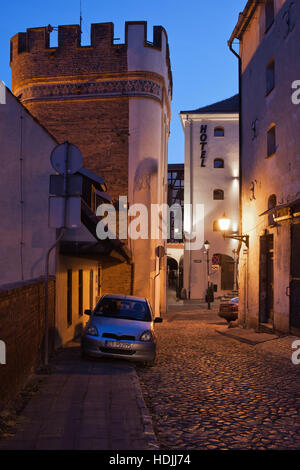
203, 143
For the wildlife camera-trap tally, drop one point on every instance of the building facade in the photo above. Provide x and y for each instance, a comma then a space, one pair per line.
113, 102
269, 38
211, 182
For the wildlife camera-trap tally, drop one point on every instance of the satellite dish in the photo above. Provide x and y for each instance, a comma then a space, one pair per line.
66, 158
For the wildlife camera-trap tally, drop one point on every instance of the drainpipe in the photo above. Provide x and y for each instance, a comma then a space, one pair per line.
240, 135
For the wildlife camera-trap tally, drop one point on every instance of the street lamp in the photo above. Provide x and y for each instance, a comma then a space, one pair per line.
224, 224
207, 247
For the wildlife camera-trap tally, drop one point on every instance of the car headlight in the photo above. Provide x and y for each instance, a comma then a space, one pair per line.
146, 336
91, 330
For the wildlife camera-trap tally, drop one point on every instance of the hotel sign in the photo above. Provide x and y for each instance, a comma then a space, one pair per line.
203, 144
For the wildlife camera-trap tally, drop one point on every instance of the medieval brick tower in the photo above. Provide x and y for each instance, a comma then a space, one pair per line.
113, 102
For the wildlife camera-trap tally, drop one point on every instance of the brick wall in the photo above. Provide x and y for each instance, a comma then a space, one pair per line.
99, 128
117, 277
32, 58
22, 314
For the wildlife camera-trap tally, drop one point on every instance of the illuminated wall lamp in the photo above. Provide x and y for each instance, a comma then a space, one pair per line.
224, 224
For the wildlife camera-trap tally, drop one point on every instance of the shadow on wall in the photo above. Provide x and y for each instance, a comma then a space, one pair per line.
142, 179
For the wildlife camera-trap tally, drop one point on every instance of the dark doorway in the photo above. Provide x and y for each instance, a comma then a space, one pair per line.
295, 278
266, 280
172, 273
227, 272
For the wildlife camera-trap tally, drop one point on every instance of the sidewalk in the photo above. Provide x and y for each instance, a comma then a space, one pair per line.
85, 405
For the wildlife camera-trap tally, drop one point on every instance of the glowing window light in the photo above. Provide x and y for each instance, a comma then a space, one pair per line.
224, 223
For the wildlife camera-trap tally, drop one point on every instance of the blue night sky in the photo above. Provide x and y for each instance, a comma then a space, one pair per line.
204, 70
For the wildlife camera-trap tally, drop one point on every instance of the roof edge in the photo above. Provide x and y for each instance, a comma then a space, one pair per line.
244, 19
226, 106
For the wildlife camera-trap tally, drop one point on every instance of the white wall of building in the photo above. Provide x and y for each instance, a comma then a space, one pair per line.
24, 175
199, 184
278, 174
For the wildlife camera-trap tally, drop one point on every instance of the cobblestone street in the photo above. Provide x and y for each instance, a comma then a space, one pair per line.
208, 391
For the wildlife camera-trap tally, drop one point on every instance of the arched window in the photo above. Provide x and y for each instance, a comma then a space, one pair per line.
271, 141
270, 76
218, 194
218, 163
219, 132
272, 202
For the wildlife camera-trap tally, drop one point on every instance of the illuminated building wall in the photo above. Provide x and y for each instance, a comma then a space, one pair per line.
212, 180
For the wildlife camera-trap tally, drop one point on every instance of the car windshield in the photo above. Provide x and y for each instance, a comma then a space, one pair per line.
126, 309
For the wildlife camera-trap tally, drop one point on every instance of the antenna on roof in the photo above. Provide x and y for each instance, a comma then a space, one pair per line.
80, 18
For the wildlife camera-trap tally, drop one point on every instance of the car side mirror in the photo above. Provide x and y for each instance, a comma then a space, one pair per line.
88, 312
158, 320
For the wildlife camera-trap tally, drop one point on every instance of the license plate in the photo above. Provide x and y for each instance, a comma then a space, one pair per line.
117, 345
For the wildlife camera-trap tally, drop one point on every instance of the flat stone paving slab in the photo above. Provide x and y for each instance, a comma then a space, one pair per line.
87, 405
246, 336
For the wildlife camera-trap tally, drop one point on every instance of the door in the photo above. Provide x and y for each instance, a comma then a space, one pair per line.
295, 277
227, 272
266, 279
91, 289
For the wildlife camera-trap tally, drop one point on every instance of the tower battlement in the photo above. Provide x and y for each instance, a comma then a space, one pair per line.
32, 58
69, 36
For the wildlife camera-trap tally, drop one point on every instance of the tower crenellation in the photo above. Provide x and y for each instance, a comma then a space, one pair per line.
32, 57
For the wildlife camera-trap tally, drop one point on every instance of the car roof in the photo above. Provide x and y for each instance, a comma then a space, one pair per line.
124, 297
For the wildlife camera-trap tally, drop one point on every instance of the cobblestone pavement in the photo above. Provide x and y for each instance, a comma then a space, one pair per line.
208, 391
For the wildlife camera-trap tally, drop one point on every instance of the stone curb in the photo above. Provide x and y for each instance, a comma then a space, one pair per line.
146, 418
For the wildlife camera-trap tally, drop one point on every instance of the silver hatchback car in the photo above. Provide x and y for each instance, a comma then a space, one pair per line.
120, 326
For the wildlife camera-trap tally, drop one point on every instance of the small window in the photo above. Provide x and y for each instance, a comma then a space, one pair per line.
271, 141
218, 163
69, 297
272, 202
216, 227
99, 281
269, 13
218, 194
80, 292
219, 132
270, 76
